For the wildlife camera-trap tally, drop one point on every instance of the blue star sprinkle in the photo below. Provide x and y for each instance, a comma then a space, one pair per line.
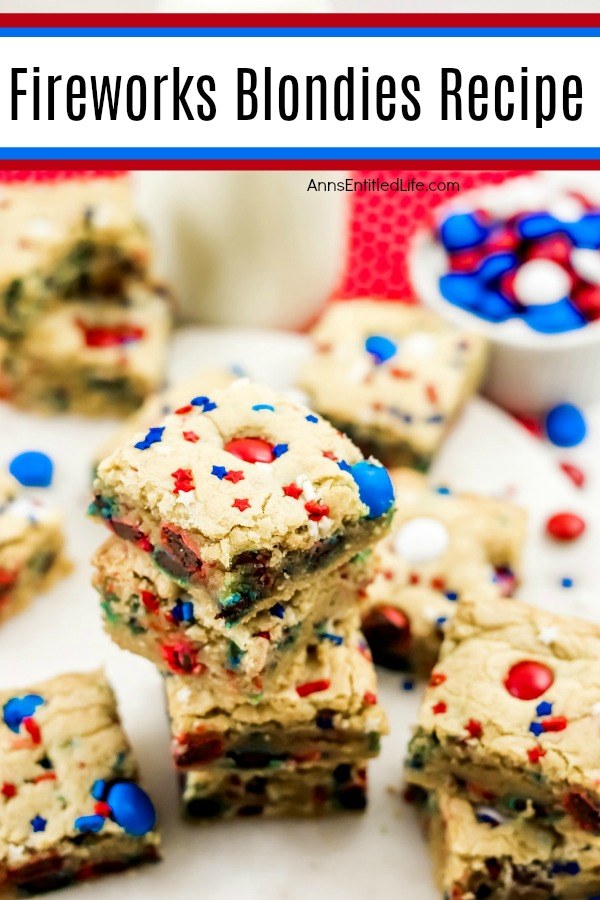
278, 610
18, 708
311, 418
38, 823
154, 436
543, 709
279, 450
536, 729
205, 403
219, 472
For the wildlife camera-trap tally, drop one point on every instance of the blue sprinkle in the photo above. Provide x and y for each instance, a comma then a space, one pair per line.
312, 419
543, 709
235, 654
183, 611
279, 450
38, 823
536, 729
408, 684
98, 789
434, 420
154, 436
18, 708
566, 582
443, 490
204, 403
572, 868
91, 824
565, 425
263, 406
238, 370
334, 638
32, 469
441, 620
380, 348
324, 720
219, 472
278, 610
451, 595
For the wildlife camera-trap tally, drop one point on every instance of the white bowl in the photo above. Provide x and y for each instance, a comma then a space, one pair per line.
528, 371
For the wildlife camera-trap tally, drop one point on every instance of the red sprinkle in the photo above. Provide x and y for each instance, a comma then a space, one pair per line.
414, 578
312, 687
33, 730
556, 723
102, 809
292, 490
565, 526
150, 601
242, 503
438, 584
191, 436
431, 393
115, 336
474, 728
183, 410
436, 679
8, 790
144, 544
184, 481
316, 511
370, 698
533, 426
439, 708
528, 680
182, 659
234, 475
535, 754
574, 473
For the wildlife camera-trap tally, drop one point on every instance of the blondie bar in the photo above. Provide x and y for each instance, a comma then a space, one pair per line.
442, 546
70, 805
480, 853
513, 707
97, 359
392, 376
31, 548
325, 712
146, 612
310, 791
65, 238
245, 494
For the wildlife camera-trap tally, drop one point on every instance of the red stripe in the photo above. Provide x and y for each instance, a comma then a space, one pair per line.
104, 166
299, 20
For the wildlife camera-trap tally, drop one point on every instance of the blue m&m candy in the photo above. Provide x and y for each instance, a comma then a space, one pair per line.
380, 348
566, 425
375, 487
554, 318
461, 231
131, 807
32, 469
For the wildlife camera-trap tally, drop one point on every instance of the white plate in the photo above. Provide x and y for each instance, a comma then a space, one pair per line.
335, 858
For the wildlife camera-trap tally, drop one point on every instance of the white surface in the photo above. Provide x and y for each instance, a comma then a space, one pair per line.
337, 858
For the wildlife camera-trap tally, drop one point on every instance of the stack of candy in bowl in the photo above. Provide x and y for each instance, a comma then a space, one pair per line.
540, 267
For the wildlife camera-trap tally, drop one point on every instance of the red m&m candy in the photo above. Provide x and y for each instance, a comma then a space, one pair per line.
527, 680
565, 526
251, 450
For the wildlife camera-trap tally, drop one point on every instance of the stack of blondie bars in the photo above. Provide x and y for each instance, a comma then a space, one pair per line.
240, 529
82, 325
504, 759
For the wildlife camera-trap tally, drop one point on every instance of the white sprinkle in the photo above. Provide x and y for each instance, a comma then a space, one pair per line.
548, 634
308, 488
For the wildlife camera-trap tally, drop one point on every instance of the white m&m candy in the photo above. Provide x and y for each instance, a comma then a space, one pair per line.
540, 282
586, 263
421, 540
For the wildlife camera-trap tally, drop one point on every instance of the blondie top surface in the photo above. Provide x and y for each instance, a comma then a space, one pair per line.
67, 774
514, 703
243, 470
478, 852
398, 371
40, 221
442, 546
20, 515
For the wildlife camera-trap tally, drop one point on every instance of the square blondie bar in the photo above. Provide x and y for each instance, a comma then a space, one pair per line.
513, 709
305, 791
99, 359
325, 712
391, 376
147, 613
70, 805
32, 554
443, 546
63, 238
245, 494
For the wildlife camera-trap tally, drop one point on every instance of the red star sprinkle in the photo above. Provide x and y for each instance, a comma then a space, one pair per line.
150, 601
183, 410
439, 708
370, 698
184, 481
241, 503
329, 455
292, 490
33, 730
190, 436
535, 754
436, 679
316, 511
8, 790
234, 476
312, 687
474, 728
556, 723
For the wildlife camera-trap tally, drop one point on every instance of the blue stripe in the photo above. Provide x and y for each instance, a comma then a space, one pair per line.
300, 32
302, 153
